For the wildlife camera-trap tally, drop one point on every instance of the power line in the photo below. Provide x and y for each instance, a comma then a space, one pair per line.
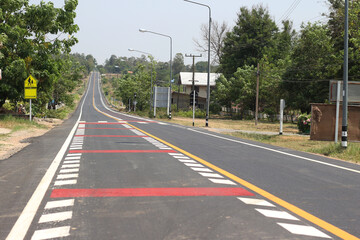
289, 11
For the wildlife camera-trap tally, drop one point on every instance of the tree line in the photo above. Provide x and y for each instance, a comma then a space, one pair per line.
36, 40
295, 66
134, 74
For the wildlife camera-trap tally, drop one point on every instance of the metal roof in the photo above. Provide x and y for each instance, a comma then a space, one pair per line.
200, 78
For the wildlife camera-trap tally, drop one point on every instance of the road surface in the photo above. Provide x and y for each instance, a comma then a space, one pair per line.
108, 175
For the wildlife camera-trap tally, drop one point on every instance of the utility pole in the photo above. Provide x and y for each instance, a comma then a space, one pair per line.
345, 83
193, 82
257, 93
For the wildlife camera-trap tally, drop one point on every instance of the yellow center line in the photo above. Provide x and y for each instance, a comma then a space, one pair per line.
311, 218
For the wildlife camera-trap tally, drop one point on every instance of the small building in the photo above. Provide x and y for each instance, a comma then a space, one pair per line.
182, 98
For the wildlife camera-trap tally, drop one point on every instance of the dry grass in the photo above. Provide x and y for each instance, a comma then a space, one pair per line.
303, 143
296, 142
16, 124
246, 125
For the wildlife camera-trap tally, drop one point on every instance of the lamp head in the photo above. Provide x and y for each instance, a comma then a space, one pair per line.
142, 30
130, 49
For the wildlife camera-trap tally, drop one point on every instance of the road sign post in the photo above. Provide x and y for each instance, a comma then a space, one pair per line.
30, 91
282, 107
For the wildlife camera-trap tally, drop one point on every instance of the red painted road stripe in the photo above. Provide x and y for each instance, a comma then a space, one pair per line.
140, 121
149, 192
116, 122
96, 123
122, 151
104, 128
120, 136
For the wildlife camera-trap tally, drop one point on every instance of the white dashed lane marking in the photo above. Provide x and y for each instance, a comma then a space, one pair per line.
70, 166
50, 233
222, 181
60, 203
137, 132
65, 182
73, 154
72, 170
181, 157
71, 161
187, 161
55, 217
67, 176
257, 202
303, 230
211, 175
218, 179
202, 169
193, 165
276, 214
73, 158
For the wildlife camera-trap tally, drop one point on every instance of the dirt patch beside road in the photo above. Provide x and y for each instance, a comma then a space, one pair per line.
12, 142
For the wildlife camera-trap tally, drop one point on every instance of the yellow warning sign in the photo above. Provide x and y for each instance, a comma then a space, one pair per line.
30, 93
30, 85
30, 82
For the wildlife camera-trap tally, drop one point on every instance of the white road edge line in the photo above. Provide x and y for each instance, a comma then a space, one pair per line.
277, 151
23, 223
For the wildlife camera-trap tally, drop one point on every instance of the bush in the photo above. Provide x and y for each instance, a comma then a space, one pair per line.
189, 114
215, 108
304, 123
9, 106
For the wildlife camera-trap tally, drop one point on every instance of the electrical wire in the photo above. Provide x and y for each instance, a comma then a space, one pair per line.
289, 11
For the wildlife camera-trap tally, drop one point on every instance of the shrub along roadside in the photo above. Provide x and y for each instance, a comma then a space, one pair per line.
17, 124
296, 142
303, 143
304, 123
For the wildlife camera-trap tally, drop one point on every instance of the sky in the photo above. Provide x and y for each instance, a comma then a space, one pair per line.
110, 27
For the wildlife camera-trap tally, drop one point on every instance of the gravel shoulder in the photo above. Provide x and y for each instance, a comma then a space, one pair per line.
13, 142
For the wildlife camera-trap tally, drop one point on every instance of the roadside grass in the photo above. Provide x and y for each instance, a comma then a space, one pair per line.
246, 125
17, 124
295, 142
352, 153
61, 113
65, 111
303, 143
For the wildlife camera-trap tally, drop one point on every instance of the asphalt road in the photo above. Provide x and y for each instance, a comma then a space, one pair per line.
107, 175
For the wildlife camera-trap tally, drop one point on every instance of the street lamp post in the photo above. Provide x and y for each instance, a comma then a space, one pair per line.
164, 35
151, 86
208, 77
344, 130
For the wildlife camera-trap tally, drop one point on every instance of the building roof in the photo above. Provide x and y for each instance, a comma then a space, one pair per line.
200, 78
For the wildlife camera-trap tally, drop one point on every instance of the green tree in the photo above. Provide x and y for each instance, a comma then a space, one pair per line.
201, 66
178, 64
249, 40
313, 63
239, 89
32, 44
336, 31
139, 83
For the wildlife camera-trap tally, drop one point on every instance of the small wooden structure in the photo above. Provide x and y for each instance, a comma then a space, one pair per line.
323, 122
